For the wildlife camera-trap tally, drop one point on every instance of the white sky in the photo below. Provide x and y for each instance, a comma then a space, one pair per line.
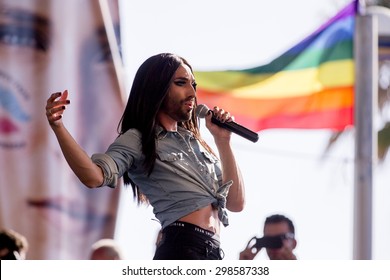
284, 171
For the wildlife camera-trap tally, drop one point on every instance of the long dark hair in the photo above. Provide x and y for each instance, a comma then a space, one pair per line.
149, 89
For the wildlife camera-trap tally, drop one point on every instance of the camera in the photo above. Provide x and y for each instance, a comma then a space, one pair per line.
272, 242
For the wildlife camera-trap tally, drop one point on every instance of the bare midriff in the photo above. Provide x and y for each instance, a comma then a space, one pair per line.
206, 218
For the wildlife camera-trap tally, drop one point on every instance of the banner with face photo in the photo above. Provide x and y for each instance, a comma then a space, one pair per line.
48, 46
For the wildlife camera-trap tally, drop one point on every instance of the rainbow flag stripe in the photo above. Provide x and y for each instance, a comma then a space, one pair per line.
309, 86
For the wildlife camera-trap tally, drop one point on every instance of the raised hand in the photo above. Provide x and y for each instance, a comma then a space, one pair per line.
55, 107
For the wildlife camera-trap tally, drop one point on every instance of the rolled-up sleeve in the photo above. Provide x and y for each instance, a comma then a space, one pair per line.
109, 168
119, 157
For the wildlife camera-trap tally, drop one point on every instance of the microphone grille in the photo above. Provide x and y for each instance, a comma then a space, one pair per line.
201, 111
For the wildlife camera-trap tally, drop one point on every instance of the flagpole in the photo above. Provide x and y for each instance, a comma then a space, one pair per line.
113, 44
366, 91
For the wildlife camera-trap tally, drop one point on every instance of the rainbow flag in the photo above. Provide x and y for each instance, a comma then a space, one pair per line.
310, 86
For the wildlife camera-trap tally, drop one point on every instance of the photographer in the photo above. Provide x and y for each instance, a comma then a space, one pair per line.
279, 240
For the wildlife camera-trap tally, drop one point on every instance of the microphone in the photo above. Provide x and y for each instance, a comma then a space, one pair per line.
202, 111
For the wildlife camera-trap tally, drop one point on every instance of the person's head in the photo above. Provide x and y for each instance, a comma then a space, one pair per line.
280, 225
106, 249
48, 46
164, 88
13, 245
150, 93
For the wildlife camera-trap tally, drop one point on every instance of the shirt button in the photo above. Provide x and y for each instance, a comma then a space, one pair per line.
189, 150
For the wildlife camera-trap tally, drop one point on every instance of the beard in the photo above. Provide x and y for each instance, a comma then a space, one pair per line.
176, 110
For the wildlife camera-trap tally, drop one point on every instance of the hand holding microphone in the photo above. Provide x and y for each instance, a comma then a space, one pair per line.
202, 111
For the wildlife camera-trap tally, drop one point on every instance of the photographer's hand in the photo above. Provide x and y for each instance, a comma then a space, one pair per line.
248, 253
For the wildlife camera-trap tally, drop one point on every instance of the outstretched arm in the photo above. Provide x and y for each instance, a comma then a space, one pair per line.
230, 170
88, 172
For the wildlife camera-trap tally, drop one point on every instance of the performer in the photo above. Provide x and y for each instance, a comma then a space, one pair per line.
160, 152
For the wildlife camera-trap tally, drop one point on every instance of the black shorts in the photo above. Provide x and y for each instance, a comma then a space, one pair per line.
185, 241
